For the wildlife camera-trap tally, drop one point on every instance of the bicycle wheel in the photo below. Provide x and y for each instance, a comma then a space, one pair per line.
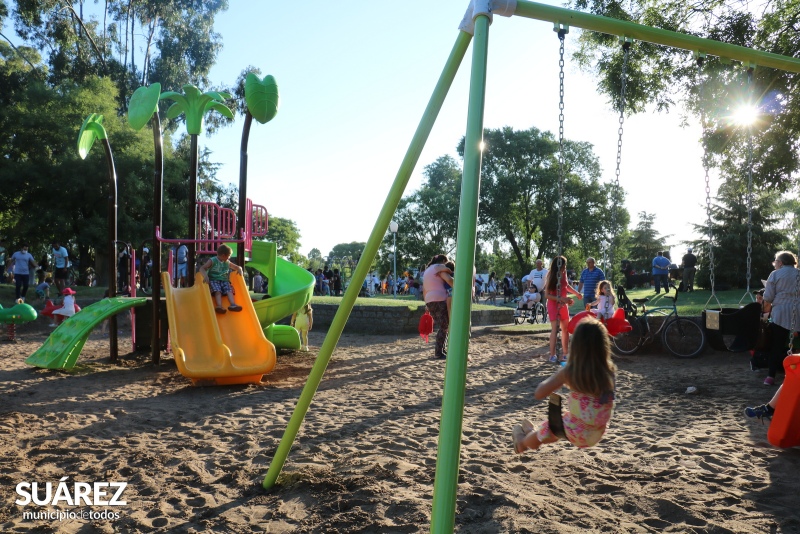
684, 338
629, 342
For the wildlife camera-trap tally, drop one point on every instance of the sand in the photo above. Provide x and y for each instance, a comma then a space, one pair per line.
364, 459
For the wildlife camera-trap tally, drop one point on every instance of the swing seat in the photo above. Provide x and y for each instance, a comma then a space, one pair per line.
784, 430
616, 325
554, 416
741, 323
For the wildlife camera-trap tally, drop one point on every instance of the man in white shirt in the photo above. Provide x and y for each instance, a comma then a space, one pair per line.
60, 259
537, 276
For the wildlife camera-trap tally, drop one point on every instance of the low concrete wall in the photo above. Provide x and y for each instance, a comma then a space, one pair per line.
397, 319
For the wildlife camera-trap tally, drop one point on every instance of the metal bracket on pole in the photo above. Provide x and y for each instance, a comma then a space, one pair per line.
559, 28
489, 8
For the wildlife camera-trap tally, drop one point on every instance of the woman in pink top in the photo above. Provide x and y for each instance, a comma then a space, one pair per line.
558, 304
434, 292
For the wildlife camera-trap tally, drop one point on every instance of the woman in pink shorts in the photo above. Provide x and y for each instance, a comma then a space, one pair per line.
558, 304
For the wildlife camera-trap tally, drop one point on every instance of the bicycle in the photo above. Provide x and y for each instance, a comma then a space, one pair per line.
681, 336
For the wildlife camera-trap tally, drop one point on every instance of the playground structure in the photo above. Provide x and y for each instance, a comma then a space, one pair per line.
209, 349
19, 313
476, 23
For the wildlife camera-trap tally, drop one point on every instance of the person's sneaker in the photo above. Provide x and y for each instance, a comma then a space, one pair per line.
235, 308
527, 426
769, 381
563, 358
553, 358
765, 410
518, 435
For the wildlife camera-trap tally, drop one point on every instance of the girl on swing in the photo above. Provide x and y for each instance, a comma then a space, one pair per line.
589, 374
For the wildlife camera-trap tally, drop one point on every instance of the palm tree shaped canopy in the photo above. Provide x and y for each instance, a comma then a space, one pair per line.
194, 105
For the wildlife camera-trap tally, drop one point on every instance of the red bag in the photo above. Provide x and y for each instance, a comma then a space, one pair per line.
426, 325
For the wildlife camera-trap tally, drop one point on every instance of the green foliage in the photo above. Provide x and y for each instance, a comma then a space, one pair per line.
661, 75
284, 233
645, 243
729, 229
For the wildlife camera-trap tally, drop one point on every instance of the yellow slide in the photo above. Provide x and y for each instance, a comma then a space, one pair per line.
213, 349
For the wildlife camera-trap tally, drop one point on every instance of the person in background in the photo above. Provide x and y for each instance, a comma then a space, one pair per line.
689, 262
303, 320
538, 275
780, 292
258, 283
491, 288
558, 304
3, 255
182, 258
590, 277
60, 258
21, 264
435, 280
661, 272
43, 289
336, 282
67, 308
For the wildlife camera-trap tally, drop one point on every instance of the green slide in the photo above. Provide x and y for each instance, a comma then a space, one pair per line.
290, 288
62, 348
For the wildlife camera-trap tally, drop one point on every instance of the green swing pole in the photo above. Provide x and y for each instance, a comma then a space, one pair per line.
445, 484
369, 253
610, 26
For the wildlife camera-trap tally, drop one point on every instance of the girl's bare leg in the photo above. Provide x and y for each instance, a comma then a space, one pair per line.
553, 328
565, 337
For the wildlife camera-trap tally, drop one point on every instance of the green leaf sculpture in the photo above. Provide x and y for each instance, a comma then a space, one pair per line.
91, 130
261, 97
194, 105
143, 104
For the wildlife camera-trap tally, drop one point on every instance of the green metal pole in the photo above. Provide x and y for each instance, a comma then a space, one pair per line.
610, 26
370, 251
446, 482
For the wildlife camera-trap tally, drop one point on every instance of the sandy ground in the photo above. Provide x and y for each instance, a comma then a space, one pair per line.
364, 460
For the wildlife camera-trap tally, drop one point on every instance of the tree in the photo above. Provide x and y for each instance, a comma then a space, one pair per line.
519, 195
645, 243
729, 229
428, 218
662, 75
286, 236
180, 45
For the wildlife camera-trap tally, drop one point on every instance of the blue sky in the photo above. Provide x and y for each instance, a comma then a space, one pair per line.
354, 79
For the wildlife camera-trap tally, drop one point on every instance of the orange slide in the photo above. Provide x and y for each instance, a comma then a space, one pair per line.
784, 429
213, 349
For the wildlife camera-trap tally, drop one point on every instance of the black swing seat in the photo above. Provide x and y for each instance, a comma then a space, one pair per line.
742, 323
554, 416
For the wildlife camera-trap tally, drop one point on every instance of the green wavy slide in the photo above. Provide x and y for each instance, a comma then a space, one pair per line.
290, 288
62, 348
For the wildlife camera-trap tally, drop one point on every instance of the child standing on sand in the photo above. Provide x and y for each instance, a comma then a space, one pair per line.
303, 320
589, 374
216, 273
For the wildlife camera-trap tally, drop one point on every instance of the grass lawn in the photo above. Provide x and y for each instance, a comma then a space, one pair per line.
689, 304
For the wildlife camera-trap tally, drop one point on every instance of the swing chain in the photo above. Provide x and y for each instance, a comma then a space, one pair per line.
706, 166
626, 46
749, 183
561, 33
